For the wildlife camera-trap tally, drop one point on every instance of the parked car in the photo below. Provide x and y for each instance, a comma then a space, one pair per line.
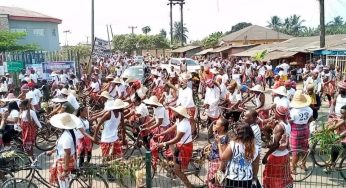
191, 65
139, 72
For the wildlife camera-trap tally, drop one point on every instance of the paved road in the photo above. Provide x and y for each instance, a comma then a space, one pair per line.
317, 179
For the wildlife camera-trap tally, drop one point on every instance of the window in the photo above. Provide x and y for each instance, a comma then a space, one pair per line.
18, 30
38, 32
54, 32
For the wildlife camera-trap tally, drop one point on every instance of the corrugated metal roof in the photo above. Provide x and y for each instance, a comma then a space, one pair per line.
203, 52
21, 14
255, 32
278, 55
224, 48
184, 49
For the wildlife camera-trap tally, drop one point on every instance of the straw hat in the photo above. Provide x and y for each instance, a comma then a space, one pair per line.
64, 91
258, 88
300, 100
116, 104
116, 80
342, 84
59, 100
181, 110
153, 101
280, 91
110, 76
106, 95
140, 93
54, 74
130, 79
65, 121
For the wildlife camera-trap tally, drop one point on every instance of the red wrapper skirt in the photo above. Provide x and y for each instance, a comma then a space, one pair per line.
299, 138
29, 132
277, 172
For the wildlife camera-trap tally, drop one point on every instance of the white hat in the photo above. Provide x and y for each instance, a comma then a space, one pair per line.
10, 99
300, 100
65, 121
130, 79
181, 110
258, 88
153, 100
54, 74
116, 104
106, 95
59, 100
280, 91
64, 91
116, 80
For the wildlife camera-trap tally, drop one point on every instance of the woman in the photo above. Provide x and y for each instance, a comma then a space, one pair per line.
112, 120
28, 122
183, 142
9, 121
220, 130
301, 116
241, 154
65, 149
84, 139
269, 74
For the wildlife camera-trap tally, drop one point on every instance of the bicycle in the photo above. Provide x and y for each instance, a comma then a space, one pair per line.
135, 140
89, 176
28, 182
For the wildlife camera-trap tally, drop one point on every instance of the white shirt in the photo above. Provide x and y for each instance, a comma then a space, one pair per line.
120, 89
236, 77
65, 142
184, 127
261, 71
285, 68
301, 116
161, 113
142, 109
172, 74
340, 102
212, 98
258, 137
33, 117
84, 124
110, 129
95, 86
235, 96
185, 98
269, 67
34, 77
224, 90
290, 93
34, 99
282, 101
240, 168
13, 114
73, 101
224, 78
63, 78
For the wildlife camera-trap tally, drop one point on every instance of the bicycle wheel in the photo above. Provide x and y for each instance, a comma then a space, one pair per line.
342, 167
5, 175
304, 158
18, 183
83, 181
43, 143
319, 157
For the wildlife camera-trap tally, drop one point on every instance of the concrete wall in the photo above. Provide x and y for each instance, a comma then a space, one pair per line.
44, 34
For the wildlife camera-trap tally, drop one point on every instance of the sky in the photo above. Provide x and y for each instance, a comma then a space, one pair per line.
201, 17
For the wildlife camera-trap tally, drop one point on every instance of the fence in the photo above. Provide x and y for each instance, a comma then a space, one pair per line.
137, 172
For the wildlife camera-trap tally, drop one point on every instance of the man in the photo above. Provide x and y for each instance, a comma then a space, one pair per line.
290, 90
211, 100
34, 96
70, 98
277, 172
285, 67
340, 98
250, 117
173, 77
63, 77
33, 76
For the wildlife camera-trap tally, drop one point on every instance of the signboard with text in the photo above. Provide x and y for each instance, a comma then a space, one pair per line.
36, 67
14, 66
57, 66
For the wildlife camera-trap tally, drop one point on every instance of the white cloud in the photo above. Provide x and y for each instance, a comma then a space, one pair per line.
202, 17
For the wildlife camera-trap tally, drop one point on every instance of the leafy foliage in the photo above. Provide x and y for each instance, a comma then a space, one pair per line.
163, 33
9, 42
146, 30
326, 138
238, 26
177, 28
212, 40
293, 25
130, 42
260, 56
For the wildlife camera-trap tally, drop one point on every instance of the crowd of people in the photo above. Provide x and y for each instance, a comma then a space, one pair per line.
165, 105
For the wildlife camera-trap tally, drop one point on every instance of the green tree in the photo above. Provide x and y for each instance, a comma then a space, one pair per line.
146, 30
275, 23
9, 42
163, 33
293, 25
177, 32
238, 26
337, 22
212, 40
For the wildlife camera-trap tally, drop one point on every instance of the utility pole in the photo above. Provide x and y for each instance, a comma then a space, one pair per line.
322, 25
66, 32
182, 21
110, 26
133, 29
92, 24
171, 20
109, 42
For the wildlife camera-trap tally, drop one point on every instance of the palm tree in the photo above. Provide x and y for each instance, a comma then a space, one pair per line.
177, 32
163, 33
337, 22
275, 23
293, 25
146, 30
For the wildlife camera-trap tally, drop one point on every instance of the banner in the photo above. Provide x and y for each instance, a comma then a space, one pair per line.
57, 66
36, 67
101, 48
